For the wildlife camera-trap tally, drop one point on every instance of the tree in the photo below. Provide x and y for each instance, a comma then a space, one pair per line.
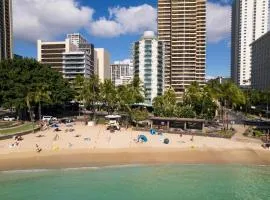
129, 95
109, 96
202, 99
185, 112
41, 94
92, 93
22, 78
78, 85
165, 105
139, 115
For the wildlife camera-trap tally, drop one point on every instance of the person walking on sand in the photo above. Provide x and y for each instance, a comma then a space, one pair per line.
192, 138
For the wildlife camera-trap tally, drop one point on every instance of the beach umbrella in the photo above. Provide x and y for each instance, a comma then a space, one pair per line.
152, 131
143, 138
166, 141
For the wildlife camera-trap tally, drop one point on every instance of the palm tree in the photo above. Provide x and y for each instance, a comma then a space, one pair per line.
79, 84
109, 96
28, 99
165, 105
41, 94
91, 93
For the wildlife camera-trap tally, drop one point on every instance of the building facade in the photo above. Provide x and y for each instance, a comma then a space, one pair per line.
260, 62
76, 39
249, 22
149, 65
102, 64
6, 30
182, 27
67, 58
76, 63
121, 73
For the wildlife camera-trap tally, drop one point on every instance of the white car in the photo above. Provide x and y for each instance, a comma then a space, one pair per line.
49, 118
7, 118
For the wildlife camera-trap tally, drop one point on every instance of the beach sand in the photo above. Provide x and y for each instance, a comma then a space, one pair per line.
96, 146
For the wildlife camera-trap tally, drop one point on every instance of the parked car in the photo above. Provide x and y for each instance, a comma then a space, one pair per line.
7, 118
49, 118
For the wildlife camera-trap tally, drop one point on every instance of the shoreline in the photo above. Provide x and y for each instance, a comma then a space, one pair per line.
137, 156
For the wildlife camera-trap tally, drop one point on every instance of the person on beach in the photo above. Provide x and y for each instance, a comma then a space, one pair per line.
192, 138
38, 149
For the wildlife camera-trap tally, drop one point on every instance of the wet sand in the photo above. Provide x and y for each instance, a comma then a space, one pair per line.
86, 158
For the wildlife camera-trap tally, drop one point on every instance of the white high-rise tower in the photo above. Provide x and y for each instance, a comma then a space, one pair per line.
249, 22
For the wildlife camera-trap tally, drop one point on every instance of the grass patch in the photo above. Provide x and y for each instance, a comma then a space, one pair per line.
5, 124
22, 128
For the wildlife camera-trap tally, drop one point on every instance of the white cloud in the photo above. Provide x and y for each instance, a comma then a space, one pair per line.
47, 19
125, 61
125, 21
218, 22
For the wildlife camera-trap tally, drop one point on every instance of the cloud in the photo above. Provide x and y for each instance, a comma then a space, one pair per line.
125, 21
125, 61
218, 19
47, 19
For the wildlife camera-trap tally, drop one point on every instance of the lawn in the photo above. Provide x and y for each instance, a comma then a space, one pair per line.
21, 128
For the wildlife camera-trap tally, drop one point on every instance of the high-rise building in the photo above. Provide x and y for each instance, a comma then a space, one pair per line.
249, 22
148, 61
67, 58
6, 30
121, 73
260, 63
182, 27
102, 64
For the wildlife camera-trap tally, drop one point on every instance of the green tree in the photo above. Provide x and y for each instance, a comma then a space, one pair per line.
92, 93
165, 105
139, 115
109, 96
41, 94
79, 85
21, 77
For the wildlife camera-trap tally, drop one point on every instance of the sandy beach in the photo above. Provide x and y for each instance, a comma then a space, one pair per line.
96, 146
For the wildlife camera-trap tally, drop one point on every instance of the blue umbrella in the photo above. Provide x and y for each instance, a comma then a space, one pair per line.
152, 131
143, 138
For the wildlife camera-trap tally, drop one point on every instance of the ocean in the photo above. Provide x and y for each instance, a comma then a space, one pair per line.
158, 182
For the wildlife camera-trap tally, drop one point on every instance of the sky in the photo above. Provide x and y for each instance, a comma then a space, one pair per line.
113, 25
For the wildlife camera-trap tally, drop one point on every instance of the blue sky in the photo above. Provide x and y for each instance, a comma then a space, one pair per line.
111, 24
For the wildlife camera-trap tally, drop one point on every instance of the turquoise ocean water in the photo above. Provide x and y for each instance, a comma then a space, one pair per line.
166, 182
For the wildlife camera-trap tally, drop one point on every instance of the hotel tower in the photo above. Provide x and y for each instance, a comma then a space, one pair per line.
182, 27
249, 22
6, 35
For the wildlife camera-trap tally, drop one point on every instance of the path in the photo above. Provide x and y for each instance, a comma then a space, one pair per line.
238, 136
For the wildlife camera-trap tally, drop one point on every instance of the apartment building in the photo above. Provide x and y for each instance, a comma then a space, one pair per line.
149, 65
249, 22
76, 63
102, 64
121, 73
67, 58
260, 63
6, 30
182, 27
